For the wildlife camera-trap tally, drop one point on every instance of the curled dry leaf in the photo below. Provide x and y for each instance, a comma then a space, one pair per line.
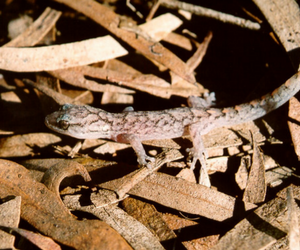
42, 209
60, 56
193, 63
95, 167
54, 175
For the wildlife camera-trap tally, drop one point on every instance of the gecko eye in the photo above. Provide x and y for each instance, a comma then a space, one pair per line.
63, 124
65, 107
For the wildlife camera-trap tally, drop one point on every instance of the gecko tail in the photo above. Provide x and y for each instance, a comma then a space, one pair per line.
262, 106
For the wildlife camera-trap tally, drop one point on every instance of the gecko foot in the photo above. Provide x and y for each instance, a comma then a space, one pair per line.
202, 156
146, 160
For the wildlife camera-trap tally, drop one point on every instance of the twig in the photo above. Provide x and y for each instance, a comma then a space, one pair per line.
142, 173
201, 11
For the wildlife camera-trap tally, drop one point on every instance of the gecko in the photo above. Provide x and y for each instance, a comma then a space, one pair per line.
133, 127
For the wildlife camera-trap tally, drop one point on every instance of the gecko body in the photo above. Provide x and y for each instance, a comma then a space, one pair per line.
83, 121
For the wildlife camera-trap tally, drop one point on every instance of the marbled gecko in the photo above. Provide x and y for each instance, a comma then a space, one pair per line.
133, 127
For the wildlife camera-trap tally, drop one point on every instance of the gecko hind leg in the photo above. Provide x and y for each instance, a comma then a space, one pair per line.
207, 101
198, 152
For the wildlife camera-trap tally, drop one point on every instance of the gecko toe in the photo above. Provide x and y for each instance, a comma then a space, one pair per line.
146, 161
150, 160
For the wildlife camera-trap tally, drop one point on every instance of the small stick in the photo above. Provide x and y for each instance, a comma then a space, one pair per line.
141, 174
201, 11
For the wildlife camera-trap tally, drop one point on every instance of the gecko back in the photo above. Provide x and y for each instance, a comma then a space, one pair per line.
258, 107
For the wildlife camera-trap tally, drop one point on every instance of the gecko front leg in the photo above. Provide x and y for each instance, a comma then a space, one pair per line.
198, 152
138, 148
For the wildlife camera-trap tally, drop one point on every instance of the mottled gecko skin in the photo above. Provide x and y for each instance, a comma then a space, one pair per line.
133, 127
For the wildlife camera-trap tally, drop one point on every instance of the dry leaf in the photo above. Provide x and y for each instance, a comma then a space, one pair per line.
268, 224
293, 212
109, 97
9, 217
57, 97
276, 176
189, 226
36, 31
42, 242
111, 21
256, 188
135, 233
262, 228
242, 175
77, 77
232, 136
56, 173
42, 209
185, 196
285, 23
179, 40
60, 56
293, 123
148, 216
24, 145
159, 27
187, 174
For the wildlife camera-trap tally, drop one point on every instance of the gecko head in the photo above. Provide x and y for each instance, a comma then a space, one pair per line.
79, 121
